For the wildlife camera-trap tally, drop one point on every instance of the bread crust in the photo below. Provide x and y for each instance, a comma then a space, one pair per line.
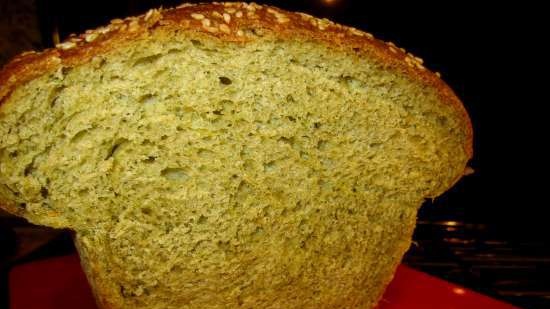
230, 22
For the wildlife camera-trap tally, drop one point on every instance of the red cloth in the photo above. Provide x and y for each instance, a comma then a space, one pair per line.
59, 283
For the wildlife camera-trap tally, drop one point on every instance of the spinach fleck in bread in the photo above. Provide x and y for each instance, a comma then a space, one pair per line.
229, 155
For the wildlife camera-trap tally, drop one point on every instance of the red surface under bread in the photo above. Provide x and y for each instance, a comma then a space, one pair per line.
59, 283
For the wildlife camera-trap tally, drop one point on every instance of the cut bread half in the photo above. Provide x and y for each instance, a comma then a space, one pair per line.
229, 156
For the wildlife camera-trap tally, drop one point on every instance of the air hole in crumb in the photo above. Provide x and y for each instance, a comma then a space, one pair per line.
225, 80
112, 152
22, 205
196, 43
175, 174
375, 145
290, 99
147, 60
205, 153
148, 99
322, 145
44, 192
291, 118
270, 166
202, 220
286, 140
146, 211
29, 169
150, 159
316, 125
442, 120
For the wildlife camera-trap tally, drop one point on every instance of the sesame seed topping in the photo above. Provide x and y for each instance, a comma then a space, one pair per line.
282, 20
239, 14
211, 29
438, 74
357, 32
133, 26
217, 14
226, 17
240, 33
117, 21
224, 28
66, 45
90, 37
197, 16
149, 14
103, 30
206, 22
392, 49
230, 10
28, 52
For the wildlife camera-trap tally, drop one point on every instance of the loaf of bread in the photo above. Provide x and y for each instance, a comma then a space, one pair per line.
229, 155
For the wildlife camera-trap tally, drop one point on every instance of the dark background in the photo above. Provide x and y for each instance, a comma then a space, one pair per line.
489, 232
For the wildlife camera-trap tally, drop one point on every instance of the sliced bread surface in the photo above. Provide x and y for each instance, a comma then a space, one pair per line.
229, 156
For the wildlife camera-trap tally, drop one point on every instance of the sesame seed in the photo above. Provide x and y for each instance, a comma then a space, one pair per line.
66, 45
217, 14
29, 52
197, 16
282, 20
206, 22
392, 49
149, 14
103, 30
211, 29
117, 21
438, 74
230, 10
239, 14
240, 33
357, 32
133, 26
90, 37
226, 17
224, 28
368, 35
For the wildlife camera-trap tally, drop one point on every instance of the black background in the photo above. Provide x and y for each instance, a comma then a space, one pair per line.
493, 57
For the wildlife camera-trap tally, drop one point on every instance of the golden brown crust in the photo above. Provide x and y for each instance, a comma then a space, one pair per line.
235, 22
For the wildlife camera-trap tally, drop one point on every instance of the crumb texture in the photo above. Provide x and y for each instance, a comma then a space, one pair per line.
199, 173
